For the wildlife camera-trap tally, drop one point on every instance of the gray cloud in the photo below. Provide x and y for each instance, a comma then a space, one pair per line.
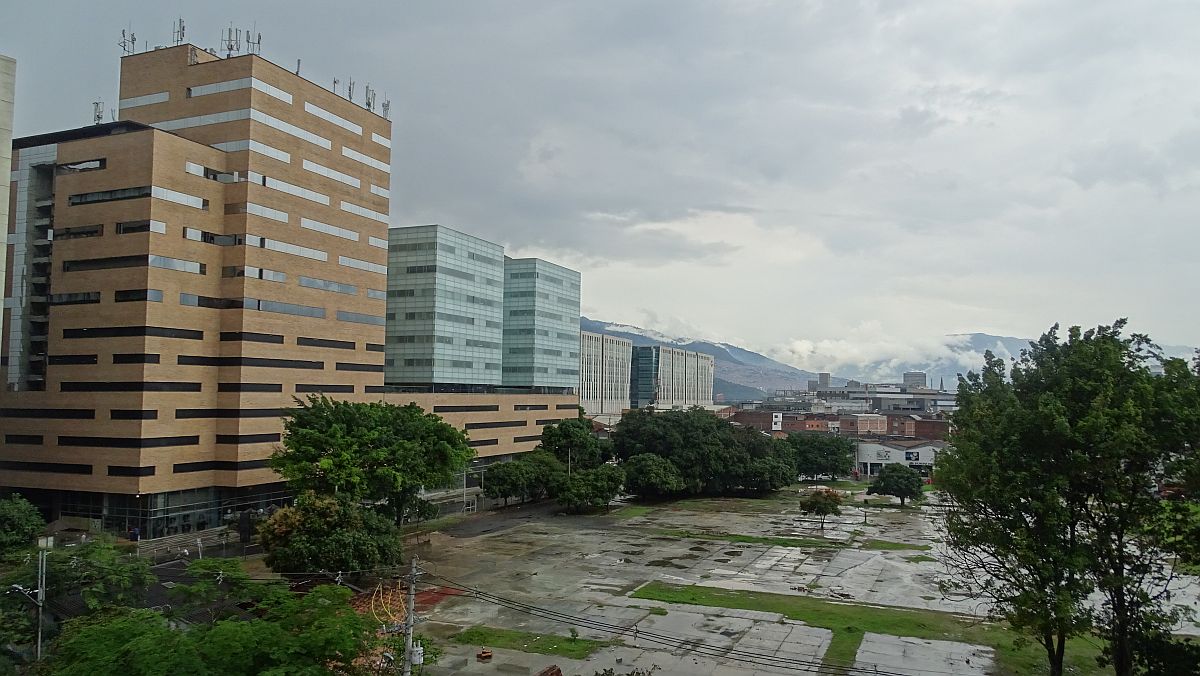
934, 167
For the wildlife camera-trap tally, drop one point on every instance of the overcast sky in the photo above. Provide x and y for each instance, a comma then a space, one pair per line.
818, 181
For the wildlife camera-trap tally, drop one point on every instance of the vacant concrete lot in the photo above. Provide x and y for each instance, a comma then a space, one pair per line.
583, 573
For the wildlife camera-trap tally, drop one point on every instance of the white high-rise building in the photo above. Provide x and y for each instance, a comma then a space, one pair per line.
604, 363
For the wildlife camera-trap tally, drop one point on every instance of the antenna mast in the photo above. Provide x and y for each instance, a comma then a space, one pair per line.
97, 112
128, 43
253, 40
369, 98
386, 108
350, 90
178, 31
232, 42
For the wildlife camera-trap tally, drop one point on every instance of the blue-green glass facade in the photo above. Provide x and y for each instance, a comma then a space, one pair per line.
541, 324
445, 308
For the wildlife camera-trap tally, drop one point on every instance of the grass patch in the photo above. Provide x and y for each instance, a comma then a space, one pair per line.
431, 525
657, 610
757, 539
920, 558
542, 644
848, 622
630, 511
928, 488
888, 545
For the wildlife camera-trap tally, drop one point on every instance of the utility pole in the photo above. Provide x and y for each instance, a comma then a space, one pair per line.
410, 621
41, 597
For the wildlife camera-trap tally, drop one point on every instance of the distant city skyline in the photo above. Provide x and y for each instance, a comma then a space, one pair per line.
822, 183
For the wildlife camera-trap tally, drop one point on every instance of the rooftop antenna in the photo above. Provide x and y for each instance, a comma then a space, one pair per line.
350, 90
297, 66
97, 112
335, 85
386, 107
253, 44
128, 43
232, 42
178, 31
369, 98
112, 114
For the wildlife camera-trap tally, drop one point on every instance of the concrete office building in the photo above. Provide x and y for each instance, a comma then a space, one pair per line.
8, 89
541, 324
445, 309
915, 379
667, 377
177, 277
604, 373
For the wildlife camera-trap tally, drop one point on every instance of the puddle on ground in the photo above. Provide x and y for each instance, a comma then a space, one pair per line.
733, 552
697, 548
664, 563
634, 552
721, 560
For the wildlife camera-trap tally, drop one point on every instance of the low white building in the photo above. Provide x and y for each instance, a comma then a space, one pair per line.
871, 456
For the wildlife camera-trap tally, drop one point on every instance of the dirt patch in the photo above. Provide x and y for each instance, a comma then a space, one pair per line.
665, 563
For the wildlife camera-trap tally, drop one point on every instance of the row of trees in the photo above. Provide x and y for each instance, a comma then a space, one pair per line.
672, 453
570, 465
1053, 479
695, 453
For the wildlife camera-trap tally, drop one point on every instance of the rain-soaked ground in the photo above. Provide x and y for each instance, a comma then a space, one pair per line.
587, 567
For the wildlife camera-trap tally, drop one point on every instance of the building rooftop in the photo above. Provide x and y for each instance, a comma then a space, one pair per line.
79, 133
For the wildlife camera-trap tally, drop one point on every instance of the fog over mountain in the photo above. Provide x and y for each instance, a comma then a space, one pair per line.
745, 374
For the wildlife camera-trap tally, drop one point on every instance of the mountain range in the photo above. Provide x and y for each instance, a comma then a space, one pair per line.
743, 374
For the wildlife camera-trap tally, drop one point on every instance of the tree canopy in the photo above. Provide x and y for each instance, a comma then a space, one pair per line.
574, 444
709, 455
314, 633
898, 480
820, 454
822, 503
1054, 475
332, 534
369, 451
591, 489
20, 523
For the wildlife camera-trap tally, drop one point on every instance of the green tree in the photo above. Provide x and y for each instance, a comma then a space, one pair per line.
96, 570
323, 533
898, 480
219, 588
711, 455
369, 451
546, 475
1013, 534
20, 524
505, 480
1126, 431
315, 633
650, 476
819, 454
129, 641
591, 489
572, 442
822, 503
1091, 431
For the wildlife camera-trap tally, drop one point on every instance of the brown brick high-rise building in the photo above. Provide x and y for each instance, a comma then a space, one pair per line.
177, 277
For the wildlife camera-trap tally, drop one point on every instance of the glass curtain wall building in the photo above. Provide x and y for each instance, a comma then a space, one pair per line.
445, 308
541, 324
